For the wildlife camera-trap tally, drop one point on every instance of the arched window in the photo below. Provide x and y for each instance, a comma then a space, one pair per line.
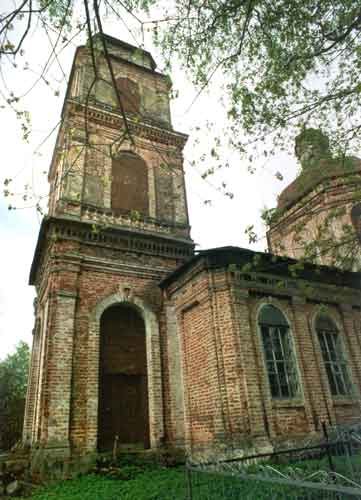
129, 95
279, 354
333, 356
129, 184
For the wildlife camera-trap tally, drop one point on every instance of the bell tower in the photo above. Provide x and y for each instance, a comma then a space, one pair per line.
117, 225
119, 166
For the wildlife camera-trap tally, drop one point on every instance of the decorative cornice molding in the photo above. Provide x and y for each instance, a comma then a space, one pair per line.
161, 246
111, 118
312, 200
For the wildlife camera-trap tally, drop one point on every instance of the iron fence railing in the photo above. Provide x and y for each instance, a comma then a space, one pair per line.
330, 469
222, 485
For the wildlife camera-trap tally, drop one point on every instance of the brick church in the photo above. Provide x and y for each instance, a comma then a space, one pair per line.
139, 341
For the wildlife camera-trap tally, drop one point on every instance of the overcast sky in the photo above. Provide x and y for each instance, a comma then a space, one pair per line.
222, 223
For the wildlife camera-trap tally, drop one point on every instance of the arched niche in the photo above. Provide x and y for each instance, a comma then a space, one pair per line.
129, 192
123, 389
129, 95
153, 363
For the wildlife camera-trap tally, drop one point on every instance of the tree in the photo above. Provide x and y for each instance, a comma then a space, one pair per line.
13, 384
288, 67
285, 64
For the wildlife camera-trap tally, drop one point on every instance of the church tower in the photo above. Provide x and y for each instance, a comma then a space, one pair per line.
117, 225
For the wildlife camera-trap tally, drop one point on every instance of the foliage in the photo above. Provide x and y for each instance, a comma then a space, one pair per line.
285, 63
154, 483
13, 383
151, 482
292, 63
295, 66
139, 478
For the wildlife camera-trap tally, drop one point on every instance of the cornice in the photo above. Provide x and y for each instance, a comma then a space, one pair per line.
96, 264
110, 118
310, 180
312, 199
55, 228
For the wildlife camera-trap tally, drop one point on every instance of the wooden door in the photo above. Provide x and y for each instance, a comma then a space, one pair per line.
123, 395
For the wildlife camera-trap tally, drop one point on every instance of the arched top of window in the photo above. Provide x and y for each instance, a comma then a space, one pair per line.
272, 316
324, 322
127, 154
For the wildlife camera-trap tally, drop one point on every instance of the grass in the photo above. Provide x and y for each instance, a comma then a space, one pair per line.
130, 479
152, 485
125, 480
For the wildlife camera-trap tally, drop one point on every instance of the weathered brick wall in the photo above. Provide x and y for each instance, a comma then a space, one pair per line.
94, 286
89, 139
227, 399
308, 220
80, 276
89, 257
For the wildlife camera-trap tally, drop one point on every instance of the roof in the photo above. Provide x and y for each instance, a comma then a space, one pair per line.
326, 170
223, 257
127, 46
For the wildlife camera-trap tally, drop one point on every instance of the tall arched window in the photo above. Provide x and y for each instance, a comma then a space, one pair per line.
129, 184
333, 356
129, 94
279, 353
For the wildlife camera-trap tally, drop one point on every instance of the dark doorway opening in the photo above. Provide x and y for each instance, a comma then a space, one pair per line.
123, 388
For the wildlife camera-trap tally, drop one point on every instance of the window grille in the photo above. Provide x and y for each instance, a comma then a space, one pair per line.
279, 353
333, 356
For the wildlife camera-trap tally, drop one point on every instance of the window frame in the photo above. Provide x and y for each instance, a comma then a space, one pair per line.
335, 369
289, 360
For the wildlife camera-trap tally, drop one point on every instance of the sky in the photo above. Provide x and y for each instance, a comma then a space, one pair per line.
219, 224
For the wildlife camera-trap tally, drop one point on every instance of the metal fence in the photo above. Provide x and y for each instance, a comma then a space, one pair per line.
221, 485
330, 469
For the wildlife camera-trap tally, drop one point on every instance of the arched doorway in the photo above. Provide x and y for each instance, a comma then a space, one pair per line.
123, 387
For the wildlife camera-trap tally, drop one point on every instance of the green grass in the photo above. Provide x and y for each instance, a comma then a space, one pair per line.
150, 485
130, 479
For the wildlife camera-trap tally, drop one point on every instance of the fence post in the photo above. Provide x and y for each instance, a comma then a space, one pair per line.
329, 456
189, 483
348, 447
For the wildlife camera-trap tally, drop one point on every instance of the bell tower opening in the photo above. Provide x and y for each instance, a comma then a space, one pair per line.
129, 184
123, 387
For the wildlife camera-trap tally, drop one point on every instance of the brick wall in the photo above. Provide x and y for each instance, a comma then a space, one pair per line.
90, 257
207, 383
82, 166
308, 219
227, 403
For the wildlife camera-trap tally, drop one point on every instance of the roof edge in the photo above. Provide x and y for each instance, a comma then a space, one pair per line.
275, 264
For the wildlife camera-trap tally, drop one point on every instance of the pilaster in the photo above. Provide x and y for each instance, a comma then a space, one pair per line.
59, 369
252, 377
